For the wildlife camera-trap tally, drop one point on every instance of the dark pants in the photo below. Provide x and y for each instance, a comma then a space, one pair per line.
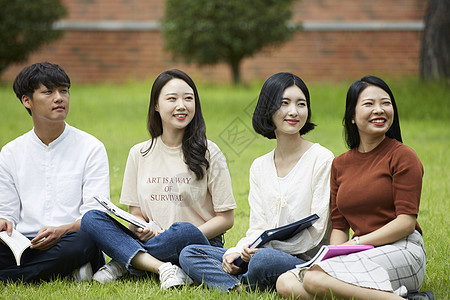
74, 250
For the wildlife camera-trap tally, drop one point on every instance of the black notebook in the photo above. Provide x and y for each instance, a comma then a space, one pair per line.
281, 233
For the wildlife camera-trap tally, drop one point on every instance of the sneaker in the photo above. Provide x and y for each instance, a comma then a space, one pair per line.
401, 291
84, 273
109, 272
172, 275
425, 295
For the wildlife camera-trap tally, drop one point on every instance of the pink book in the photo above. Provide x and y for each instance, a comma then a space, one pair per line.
326, 252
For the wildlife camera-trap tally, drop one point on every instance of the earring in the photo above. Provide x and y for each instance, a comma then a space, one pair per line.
353, 121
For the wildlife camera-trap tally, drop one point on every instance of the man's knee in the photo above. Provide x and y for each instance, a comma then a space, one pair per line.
77, 243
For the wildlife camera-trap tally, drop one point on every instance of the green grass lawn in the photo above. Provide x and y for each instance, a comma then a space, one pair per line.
117, 116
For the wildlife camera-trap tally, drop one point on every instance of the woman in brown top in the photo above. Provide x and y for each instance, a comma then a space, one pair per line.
375, 191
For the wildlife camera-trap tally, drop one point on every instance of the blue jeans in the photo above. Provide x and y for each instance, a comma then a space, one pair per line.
119, 243
73, 250
203, 263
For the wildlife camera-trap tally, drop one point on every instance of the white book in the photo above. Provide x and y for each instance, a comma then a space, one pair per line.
17, 242
112, 208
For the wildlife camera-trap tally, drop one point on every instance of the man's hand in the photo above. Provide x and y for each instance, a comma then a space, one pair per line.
47, 237
6, 225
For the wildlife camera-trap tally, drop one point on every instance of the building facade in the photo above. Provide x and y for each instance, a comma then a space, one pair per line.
120, 40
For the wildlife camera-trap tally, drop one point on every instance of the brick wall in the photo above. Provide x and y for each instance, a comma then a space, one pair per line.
124, 10
359, 10
318, 53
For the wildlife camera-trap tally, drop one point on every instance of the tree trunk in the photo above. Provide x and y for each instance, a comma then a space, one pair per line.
235, 70
435, 52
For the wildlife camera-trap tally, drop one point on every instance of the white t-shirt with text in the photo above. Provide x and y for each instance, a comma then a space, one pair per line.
167, 191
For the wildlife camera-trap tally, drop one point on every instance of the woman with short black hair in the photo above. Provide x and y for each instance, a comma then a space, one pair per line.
287, 184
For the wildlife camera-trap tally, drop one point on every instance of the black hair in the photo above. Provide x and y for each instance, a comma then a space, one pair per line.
270, 100
30, 78
351, 130
194, 143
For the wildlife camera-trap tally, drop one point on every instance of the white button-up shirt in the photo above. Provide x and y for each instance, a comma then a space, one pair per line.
51, 185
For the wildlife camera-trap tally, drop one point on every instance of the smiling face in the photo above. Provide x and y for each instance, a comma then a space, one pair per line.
374, 113
48, 104
293, 112
176, 105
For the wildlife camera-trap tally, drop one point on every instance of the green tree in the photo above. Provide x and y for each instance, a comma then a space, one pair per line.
208, 32
25, 25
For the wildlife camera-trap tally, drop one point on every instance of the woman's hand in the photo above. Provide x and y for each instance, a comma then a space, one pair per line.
338, 237
142, 234
349, 243
228, 263
146, 234
247, 253
402, 226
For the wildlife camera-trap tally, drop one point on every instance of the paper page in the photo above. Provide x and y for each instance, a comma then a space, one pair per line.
17, 242
111, 207
318, 257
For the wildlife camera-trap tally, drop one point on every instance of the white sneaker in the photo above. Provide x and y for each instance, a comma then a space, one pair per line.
84, 273
172, 275
109, 272
401, 291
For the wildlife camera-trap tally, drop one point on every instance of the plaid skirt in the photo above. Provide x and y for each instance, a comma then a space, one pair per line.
386, 268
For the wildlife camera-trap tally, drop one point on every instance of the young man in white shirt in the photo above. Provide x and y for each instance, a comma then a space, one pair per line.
48, 178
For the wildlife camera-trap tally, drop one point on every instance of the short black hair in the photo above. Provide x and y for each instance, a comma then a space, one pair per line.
31, 77
270, 99
351, 130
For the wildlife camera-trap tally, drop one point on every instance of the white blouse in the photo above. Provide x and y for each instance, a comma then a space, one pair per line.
308, 192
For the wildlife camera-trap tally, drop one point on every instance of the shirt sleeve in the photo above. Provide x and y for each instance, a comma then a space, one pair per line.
256, 223
95, 179
407, 176
219, 181
9, 200
129, 195
337, 219
321, 201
